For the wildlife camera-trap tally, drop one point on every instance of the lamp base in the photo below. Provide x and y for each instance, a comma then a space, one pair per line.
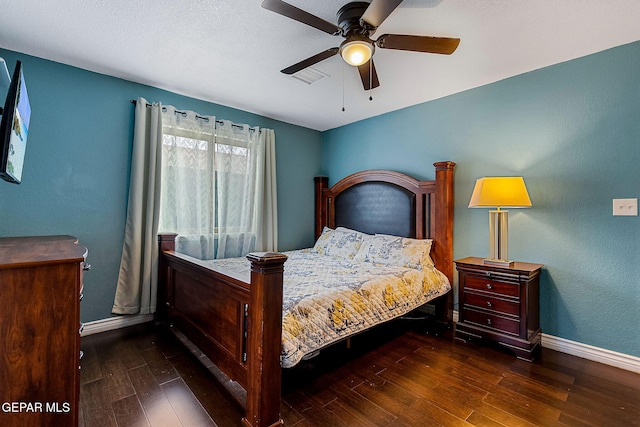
498, 239
498, 262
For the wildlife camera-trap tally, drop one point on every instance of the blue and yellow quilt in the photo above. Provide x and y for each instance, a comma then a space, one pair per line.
327, 299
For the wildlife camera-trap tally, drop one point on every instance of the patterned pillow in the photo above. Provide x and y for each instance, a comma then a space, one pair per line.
323, 240
393, 250
339, 243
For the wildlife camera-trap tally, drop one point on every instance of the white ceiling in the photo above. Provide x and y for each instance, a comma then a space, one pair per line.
230, 51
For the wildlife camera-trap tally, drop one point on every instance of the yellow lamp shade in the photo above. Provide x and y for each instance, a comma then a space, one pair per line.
500, 192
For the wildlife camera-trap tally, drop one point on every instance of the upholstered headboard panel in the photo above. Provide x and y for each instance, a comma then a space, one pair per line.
377, 207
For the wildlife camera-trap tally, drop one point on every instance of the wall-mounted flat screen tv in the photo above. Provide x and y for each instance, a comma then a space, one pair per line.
14, 128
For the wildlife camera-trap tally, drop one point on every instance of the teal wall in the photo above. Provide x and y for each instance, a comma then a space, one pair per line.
573, 132
76, 171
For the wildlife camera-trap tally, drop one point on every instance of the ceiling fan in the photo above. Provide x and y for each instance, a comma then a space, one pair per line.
357, 21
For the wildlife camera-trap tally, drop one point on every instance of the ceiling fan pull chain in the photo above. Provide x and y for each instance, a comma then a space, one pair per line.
342, 87
370, 78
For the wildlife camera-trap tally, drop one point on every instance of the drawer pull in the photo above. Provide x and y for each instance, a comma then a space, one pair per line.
489, 304
86, 267
81, 328
489, 322
81, 296
489, 286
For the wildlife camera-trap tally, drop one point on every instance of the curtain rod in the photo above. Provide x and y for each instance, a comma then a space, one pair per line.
134, 102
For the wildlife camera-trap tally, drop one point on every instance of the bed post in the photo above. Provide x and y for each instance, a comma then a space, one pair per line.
443, 238
321, 183
166, 242
264, 343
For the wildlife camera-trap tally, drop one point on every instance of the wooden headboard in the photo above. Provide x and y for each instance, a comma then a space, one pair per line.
388, 202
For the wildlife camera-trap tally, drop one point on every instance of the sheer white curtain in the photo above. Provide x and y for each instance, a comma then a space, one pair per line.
218, 186
137, 279
188, 181
245, 168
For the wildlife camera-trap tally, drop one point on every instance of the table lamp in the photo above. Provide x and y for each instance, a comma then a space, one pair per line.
499, 192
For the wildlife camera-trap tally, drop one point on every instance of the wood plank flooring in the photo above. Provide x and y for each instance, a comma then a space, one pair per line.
404, 374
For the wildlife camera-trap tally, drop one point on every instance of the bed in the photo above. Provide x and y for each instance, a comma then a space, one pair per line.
237, 314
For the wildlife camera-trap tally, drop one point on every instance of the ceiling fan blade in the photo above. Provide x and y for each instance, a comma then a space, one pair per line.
300, 15
379, 10
442, 45
369, 81
310, 61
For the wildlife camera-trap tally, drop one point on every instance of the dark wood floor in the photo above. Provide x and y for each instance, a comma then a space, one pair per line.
142, 376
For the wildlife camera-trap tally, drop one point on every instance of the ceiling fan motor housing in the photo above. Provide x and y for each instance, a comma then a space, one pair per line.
349, 19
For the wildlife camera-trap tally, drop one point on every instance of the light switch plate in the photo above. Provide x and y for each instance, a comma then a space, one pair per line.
625, 207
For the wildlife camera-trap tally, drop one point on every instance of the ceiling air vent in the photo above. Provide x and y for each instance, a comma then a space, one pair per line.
309, 75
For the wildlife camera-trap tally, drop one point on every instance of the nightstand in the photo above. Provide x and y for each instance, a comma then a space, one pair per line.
500, 304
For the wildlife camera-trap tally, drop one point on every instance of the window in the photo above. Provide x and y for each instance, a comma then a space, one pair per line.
209, 185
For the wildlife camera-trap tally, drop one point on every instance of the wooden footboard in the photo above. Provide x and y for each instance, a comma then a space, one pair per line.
231, 321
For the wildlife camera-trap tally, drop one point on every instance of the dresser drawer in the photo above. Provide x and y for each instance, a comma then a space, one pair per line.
472, 300
487, 320
493, 286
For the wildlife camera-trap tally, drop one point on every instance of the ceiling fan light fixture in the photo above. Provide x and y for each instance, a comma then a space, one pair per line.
356, 52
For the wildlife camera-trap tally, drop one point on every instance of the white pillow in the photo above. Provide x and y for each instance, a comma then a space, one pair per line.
394, 250
323, 240
340, 243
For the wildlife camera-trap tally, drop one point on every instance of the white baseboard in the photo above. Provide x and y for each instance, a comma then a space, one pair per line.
589, 352
585, 351
117, 322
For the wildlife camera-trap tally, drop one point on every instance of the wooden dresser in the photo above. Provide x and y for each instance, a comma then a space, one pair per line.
500, 304
40, 292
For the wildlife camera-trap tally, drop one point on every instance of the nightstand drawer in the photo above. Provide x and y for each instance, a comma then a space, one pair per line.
493, 286
486, 302
487, 320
